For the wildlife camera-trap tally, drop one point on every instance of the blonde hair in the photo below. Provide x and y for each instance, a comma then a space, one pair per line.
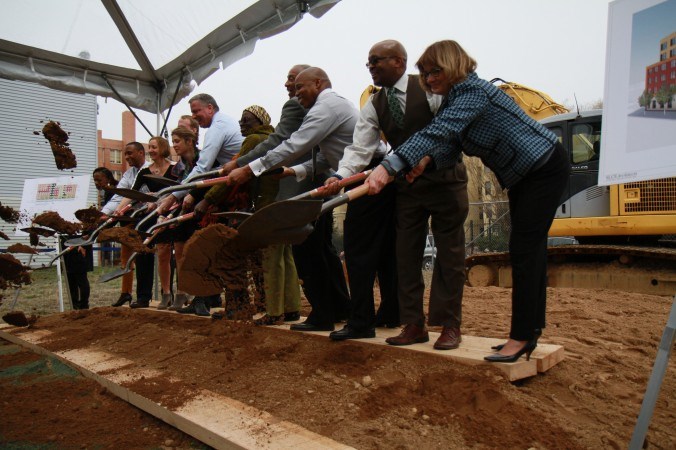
163, 145
450, 57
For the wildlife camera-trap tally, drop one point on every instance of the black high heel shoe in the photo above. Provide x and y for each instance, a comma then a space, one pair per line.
536, 335
527, 349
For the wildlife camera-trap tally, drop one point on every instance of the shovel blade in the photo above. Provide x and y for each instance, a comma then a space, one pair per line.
113, 275
162, 180
285, 222
132, 194
76, 242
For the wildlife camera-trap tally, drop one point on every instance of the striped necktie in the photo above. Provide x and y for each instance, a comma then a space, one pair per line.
395, 107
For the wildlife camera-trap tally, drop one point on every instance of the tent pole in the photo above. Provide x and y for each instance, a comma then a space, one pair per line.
121, 100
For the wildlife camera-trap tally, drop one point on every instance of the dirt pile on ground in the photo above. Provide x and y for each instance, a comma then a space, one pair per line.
212, 262
54, 221
89, 217
58, 141
126, 236
19, 319
9, 214
21, 248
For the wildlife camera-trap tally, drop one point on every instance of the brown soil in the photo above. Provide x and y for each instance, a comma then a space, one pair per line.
4, 236
12, 273
126, 236
409, 400
19, 319
212, 262
58, 141
9, 214
54, 221
58, 408
21, 248
89, 217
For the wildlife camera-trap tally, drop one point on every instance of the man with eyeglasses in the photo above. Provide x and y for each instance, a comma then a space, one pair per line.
399, 110
328, 124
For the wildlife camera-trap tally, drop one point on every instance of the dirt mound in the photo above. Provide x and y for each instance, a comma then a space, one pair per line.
89, 217
54, 221
22, 248
58, 141
19, 319
9, 214
212, 262
126, 236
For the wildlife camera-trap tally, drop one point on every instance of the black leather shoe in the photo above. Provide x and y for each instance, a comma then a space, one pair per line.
350, 333
190, 309
124, 298
291, 316
307, 326
536, 335
140, 304
527, 349
201, 309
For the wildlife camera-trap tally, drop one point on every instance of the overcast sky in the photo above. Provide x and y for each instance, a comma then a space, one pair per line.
556, 46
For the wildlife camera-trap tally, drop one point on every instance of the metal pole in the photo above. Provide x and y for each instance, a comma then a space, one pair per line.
58, 272
655, 383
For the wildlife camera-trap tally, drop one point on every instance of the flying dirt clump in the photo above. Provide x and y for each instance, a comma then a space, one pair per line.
58, 140
54, 221
21, 248
12, 273
19, 319
4, 236
125, 236
89, 217
8, 214
211, 262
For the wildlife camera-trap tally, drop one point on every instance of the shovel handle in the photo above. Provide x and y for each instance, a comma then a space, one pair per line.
345, 198
320, 191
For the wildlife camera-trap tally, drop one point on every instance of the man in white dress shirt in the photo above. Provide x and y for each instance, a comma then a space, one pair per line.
328, 124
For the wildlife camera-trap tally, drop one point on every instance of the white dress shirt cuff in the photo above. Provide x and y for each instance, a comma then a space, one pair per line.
301, 172
257, 167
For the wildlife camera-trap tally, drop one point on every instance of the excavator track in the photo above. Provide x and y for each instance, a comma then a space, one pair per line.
647, 270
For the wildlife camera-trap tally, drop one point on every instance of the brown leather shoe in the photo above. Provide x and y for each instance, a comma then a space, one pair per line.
449, 339
411, 334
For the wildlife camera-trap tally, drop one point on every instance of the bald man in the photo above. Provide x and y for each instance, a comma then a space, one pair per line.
329, 124
399, 110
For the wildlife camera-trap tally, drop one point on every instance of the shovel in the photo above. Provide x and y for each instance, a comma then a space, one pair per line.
154, 231
289, 221
78, 242
140, 196
321, 191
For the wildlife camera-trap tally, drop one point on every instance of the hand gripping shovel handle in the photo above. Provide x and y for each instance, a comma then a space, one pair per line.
320, 191
345, 198
78, 242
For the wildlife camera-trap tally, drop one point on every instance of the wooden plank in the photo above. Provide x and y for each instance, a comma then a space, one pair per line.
214, 419
471, 351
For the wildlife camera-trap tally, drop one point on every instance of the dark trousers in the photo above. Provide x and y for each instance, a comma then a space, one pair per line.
145, 272
78, 285
320, 269
533, 202
369, 239
441, 195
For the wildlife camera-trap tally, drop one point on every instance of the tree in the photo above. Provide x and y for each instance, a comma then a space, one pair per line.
644, 99
663, 96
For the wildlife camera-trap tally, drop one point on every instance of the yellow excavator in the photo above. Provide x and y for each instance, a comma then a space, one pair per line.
625, 232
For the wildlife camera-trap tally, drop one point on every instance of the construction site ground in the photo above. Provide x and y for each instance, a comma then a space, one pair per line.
360, 395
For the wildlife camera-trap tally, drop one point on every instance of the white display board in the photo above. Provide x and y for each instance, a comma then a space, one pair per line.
637, 142
65, 195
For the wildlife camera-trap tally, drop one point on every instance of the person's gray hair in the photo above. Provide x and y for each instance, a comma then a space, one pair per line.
205, 99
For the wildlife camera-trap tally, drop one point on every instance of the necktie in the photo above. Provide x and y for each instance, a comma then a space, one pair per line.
395, 107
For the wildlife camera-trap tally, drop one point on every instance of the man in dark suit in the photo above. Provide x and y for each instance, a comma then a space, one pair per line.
399, 110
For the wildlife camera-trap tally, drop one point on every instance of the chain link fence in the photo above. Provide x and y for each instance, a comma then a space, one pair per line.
487, 227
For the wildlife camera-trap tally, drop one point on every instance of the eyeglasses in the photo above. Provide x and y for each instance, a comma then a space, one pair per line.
374, 60
432, 73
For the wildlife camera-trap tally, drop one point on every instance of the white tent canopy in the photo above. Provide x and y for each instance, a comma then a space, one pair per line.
147, 54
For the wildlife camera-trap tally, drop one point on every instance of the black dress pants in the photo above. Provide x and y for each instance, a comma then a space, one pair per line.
370, 240
78, 285
533, 202
319, 268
